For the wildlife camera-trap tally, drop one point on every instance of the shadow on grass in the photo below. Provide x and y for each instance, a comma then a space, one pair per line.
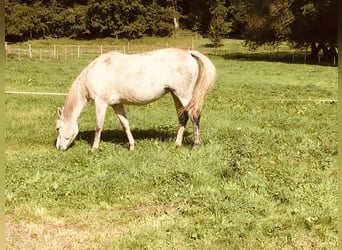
212, 46
118, 136
285, 57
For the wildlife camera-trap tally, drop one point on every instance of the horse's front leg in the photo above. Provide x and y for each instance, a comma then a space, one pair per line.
100, 117
119, 110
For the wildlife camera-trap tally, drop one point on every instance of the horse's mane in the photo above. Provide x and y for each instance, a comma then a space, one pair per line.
77, 95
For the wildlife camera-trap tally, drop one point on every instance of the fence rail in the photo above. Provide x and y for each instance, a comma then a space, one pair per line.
57, 52
73, 52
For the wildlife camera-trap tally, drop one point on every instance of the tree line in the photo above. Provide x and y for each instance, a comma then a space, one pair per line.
303, 23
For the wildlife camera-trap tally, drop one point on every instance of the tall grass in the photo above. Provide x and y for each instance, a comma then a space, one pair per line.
264, 176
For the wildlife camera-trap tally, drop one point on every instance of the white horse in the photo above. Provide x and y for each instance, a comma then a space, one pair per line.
116, 79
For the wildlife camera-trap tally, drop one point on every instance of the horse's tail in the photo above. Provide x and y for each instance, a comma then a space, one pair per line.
205, 80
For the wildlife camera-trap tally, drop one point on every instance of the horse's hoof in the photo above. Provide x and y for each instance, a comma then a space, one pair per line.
179, 142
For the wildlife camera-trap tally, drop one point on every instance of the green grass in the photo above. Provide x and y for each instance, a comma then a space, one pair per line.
264, 177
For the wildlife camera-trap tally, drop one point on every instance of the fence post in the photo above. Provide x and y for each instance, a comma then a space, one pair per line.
101, 49
269, 54
6, 49
306, 52
54, 51
293, 55
30, 50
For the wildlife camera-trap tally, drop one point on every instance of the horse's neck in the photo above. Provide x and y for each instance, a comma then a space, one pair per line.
74, 102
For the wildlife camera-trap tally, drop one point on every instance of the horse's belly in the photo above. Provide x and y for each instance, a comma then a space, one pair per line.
136, 96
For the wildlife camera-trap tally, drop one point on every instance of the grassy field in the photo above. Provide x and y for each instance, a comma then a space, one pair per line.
264, 177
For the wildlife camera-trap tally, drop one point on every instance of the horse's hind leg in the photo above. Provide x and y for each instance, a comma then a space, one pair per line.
182, 119
119, 110
195, 122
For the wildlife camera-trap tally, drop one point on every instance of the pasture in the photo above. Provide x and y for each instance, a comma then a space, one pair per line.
264, 176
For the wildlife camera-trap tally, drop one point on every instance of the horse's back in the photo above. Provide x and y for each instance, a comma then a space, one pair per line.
141, 78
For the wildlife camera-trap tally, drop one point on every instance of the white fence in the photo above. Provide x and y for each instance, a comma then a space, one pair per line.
72, 52
59, 52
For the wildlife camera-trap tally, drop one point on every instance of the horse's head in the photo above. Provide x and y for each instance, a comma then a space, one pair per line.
66, 130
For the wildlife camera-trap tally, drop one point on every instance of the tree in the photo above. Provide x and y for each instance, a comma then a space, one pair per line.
78, 29
120, 18
267, 22
199, 16
159, 20
176, 14
219, 27
22, 22
304, 23
315, 25
87, 19
172, 8
237, 15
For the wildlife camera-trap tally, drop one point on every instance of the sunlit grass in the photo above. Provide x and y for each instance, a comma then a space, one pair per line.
263, 178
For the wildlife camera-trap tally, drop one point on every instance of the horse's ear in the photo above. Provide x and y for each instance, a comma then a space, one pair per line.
60, 113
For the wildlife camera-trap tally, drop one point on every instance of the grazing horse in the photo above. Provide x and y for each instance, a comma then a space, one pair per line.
117, 79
